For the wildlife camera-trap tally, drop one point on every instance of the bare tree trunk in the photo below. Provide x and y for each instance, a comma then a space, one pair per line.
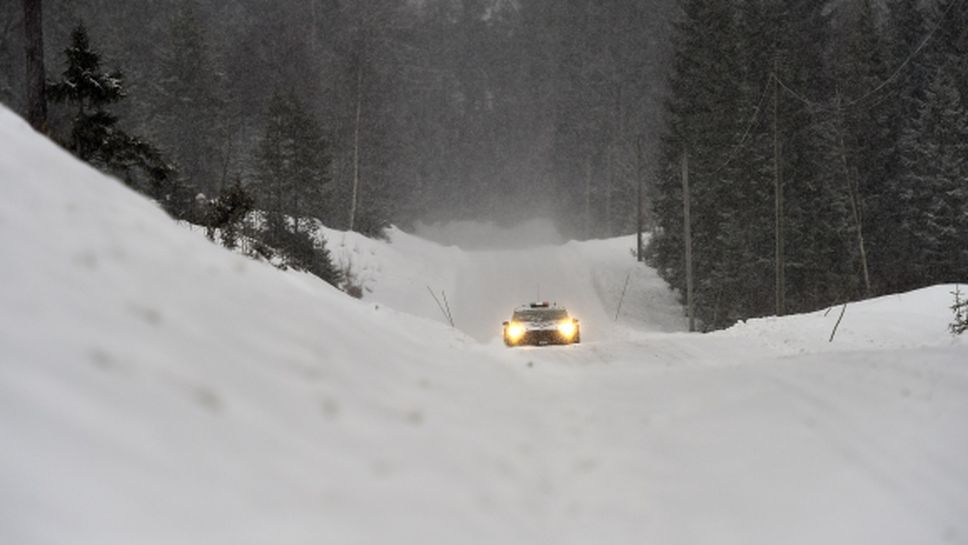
639, 219
609, 168
36, 75
780, 281
226, 160
356, 144
588, 197
687, 235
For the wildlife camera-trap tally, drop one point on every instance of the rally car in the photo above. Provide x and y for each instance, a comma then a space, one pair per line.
539, 324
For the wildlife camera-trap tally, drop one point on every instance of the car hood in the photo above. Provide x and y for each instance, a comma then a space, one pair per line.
540, 326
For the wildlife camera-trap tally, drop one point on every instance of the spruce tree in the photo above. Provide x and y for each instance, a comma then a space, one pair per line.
748, 234
227, 213
960, 309
818, 265
293, 161
934, 185
292, 184
893, 253
860, 143
706, 118
952, 43
188, 121
95, 136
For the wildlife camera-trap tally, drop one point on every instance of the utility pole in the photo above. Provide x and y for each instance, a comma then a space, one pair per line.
640, 220
356, 141
687, 235
780, 281
588, 196
853, 194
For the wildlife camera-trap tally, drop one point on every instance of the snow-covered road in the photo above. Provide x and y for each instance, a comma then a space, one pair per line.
156, 389
482, 287
765, 433
710, 444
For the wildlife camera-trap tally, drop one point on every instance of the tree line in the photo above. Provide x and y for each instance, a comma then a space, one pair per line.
827, 153
77, 107
430, 110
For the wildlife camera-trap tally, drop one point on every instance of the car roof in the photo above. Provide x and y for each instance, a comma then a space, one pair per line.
539, 306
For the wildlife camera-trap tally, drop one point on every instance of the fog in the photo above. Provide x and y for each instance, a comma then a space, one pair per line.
474, 235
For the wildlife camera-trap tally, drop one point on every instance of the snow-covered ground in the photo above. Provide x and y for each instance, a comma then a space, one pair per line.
155, 388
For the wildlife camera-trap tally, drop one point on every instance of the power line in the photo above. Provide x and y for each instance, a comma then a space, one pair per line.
944, 15
749, 127
800, 97
821, 106
883, 84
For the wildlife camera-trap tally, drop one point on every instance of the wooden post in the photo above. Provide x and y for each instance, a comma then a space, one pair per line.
687, 235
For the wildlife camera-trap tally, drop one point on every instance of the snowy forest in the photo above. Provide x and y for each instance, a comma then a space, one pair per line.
824, 143
827, 153
433, 110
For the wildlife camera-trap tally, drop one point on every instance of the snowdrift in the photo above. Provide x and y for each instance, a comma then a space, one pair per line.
155, 388
902, 321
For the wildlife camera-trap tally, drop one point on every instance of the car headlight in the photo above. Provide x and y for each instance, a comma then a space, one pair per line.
515, 331
567, 328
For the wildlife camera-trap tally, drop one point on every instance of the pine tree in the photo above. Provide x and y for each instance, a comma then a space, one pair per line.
859, 144
227, 213
292, 184
751, 228
95, 136
960, 309
934, 185
188, 121
293, 161
951, 44
704, 120
893, 255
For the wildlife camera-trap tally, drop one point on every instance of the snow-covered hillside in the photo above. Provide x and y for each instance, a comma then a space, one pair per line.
155, 388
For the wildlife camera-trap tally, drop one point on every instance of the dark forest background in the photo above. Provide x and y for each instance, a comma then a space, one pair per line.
828, 153
489, 109
827, 141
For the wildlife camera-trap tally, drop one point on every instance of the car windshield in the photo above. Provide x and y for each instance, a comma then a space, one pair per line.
540, 315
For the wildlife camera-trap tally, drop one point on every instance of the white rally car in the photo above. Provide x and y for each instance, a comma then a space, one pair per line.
540, 324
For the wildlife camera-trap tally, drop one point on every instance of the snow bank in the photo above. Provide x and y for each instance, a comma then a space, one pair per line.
399, 273
903, 321
155, 388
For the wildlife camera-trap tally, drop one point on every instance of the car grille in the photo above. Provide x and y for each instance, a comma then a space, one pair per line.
549, 336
